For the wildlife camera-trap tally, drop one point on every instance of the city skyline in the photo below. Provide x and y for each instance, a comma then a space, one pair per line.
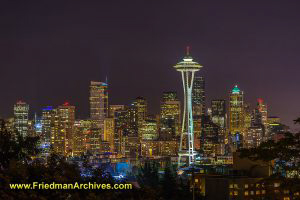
42, 46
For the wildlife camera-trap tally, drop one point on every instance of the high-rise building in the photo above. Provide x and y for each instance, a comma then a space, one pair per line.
254, 136
98, 112
47, 120
137, 115
141, 106
62, 131
236, 108
198, 96
218, 108
98, 104
114, 108
149, 130
247, 116
21, 111
109, 133
263, 109
170, 115
81, 137
121, 129
187, 67
78, 139
209, 137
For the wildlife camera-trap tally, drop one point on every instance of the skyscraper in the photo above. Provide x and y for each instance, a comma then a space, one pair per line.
236, 105
149, 130
63, 128
198, 96
141, 109
263, 109
187, 67
109, 133
46, 123
98, 104
170, 115
21, 111
218, 108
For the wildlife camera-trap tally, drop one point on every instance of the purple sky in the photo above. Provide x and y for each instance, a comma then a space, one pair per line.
51, 50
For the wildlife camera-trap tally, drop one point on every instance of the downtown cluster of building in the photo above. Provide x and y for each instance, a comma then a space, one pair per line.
128, 131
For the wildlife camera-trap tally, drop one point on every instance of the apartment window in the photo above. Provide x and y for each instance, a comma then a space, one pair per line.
235, 186
231, 193
246, 186
276, 184
263, 191
286, 198
252, 192
257, 192
236, 193
196, 180
231, 186
257, 185
246, 193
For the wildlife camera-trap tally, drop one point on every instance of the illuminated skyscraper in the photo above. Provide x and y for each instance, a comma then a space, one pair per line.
170, 115
198, 96
121, 129
187, 67
63, 128
218, 109
140, 108
109, 133
47, 120
98, 104
236, 111
263, 109
21, 111
149, 130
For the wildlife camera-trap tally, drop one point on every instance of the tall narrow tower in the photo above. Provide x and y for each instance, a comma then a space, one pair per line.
187, 67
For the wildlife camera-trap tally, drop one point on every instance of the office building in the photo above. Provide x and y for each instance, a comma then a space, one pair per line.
21, 112
236, 111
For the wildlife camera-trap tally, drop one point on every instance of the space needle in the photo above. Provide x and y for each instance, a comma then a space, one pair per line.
187, 67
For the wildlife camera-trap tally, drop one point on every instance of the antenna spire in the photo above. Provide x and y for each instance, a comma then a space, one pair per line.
188, 50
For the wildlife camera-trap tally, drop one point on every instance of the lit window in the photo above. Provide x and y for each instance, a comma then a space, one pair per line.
246, 193
235, 186
252, 192
196, 180
236, 193
257, 185
231, 186
263, 191
276, 184
257, 192
286, 198
231, 193
246, 186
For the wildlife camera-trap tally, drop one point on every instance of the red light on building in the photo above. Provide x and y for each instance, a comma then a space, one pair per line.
66, 104
260, 100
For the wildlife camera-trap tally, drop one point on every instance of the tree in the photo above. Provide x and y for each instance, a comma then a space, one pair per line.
16, 148
286, 156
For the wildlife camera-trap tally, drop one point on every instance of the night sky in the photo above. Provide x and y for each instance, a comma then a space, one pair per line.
51, 50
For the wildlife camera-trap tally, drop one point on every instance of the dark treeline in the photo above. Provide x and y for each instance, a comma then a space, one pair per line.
18, 165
